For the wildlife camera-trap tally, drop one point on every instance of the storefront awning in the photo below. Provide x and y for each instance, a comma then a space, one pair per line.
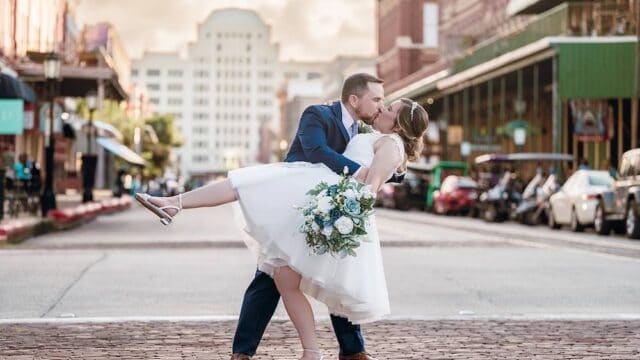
120, 150
419, 87
14, 88
76, 81
589, 67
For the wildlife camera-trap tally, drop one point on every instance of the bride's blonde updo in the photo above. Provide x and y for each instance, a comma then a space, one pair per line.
411, 124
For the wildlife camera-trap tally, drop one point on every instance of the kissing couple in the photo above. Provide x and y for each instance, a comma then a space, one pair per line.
328, 142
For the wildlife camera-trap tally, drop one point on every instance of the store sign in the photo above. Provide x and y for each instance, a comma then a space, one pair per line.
11, 116
592, 120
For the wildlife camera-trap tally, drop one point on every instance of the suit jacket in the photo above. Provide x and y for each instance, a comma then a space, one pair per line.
322, 138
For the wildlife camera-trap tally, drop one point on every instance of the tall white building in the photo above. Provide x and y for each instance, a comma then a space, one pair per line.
221, 94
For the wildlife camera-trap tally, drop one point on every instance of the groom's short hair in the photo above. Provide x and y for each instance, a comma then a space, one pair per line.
357, 84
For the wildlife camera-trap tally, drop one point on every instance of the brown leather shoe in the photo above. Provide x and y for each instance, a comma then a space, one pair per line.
358, 356
240, 357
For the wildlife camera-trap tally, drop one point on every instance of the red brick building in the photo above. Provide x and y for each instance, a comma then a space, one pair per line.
405, 44
418, 38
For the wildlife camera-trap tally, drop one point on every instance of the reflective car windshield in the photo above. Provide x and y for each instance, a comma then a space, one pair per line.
600, 180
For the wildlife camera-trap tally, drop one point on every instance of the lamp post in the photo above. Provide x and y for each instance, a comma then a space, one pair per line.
519, 137
52, 75
89, 159
443, 125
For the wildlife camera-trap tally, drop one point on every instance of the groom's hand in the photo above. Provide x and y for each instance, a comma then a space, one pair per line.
361, 176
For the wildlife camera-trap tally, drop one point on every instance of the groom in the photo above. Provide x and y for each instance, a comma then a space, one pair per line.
322, 136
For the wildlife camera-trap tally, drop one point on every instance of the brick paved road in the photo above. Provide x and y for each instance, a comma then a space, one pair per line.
437, 339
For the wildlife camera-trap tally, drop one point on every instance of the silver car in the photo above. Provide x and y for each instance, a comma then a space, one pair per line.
575, 203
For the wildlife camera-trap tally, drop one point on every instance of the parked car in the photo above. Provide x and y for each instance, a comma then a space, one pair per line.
575, 204
410, 193
620, 207
457, 195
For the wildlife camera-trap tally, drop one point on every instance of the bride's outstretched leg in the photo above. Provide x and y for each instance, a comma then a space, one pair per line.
214, 194
299, 310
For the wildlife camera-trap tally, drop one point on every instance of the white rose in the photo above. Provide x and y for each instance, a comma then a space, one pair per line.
315, 227
324, 205
344, 225
327, 231
349, 194
366, 192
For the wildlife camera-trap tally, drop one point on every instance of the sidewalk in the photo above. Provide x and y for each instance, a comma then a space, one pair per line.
70, 213
401, 339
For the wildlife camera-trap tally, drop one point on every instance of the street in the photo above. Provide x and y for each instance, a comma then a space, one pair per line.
128, 271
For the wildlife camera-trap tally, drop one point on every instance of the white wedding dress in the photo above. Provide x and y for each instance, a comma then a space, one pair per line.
351, 287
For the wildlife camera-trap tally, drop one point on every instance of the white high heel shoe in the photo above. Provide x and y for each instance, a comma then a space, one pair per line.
316, 354
165, 218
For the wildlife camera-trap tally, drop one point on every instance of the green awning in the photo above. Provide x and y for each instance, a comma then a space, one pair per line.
596, 69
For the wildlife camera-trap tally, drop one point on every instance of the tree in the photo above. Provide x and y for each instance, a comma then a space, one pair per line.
157, 154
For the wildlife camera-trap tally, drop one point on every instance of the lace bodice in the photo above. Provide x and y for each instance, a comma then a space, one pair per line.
360, 148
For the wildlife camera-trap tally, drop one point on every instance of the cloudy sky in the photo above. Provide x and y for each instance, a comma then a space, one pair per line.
305, 29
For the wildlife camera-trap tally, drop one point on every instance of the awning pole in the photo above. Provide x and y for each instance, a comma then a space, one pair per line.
557, 109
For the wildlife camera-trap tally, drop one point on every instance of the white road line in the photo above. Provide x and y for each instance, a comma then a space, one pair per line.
452, 223
221, 318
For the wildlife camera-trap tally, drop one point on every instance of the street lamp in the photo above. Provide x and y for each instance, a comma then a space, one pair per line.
89, 160
52, 75
519, 137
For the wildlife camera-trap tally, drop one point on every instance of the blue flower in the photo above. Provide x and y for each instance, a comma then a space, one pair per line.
352, 206
332, 190
319, 220
334, 215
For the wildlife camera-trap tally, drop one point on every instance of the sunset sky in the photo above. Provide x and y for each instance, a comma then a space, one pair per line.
305, 29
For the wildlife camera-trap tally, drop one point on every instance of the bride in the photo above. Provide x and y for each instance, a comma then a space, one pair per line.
352, 287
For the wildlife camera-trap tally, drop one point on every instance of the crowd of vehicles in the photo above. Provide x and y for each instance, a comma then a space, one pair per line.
496, 192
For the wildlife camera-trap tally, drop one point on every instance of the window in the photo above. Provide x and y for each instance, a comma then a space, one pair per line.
175, 101
201, 74
200, 130
154, 101
200, 158
313, 75
200, 101
291, 75
200, 144
430, 24
201, 87
153, 72
134, 72
174, 87
201, 116
153, 86
175, 73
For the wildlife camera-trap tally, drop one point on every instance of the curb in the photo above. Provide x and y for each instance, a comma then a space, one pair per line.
61, 219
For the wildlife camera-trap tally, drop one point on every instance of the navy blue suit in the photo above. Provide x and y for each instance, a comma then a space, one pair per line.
321, 138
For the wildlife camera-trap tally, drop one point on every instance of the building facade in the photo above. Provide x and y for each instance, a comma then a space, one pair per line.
561, 72
221, 94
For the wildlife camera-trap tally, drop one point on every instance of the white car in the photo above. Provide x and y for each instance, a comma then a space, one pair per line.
575, 203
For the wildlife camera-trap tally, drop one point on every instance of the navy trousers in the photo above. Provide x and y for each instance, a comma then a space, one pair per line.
259, 304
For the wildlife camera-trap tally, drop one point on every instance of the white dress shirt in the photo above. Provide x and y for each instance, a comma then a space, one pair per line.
348, 121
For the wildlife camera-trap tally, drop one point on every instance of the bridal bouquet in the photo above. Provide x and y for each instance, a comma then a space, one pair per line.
336, 216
